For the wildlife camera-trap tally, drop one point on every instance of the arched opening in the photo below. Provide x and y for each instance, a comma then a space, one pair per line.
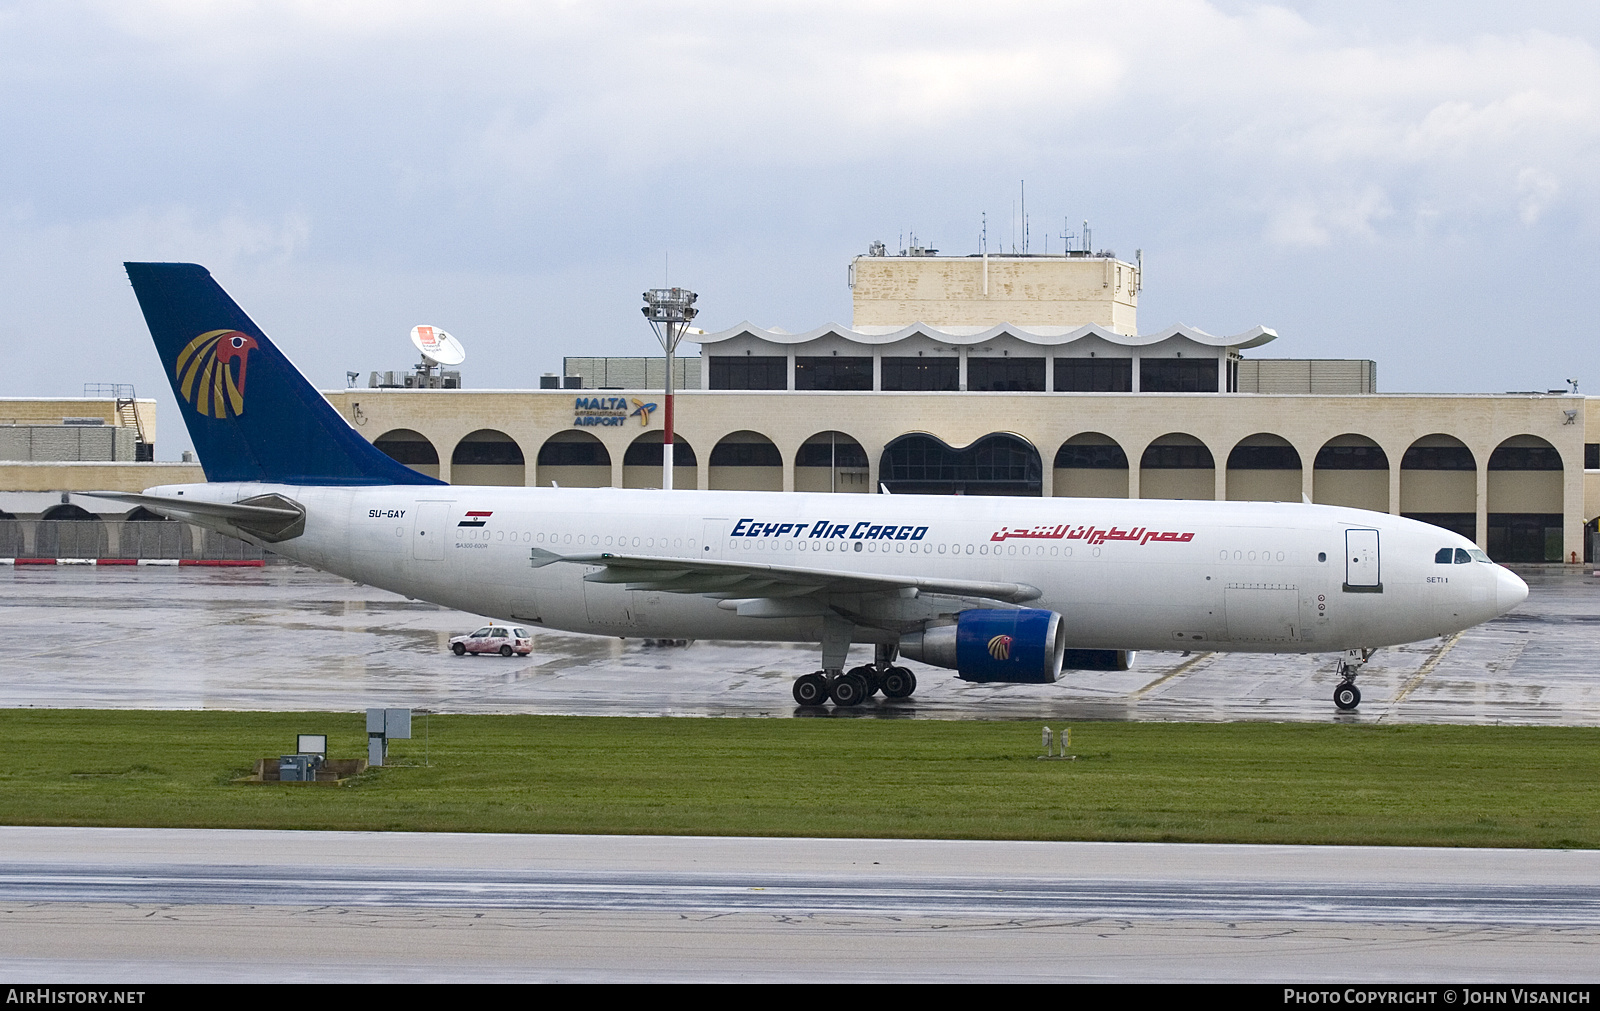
833, 462
1264, 468
69, 531
575, 460
1439, 484
413, 449
1351, 470
746, 461
488, 457
998, 464
1525, 493
144, 534
1177, 466
1091, 465
641, 462
11, 543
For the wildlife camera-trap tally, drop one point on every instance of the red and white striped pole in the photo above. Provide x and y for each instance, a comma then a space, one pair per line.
666, 433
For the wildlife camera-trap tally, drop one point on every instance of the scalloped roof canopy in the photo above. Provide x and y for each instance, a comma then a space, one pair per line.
1044, 336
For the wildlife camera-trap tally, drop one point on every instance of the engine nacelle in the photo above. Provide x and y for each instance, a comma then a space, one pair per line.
1018, 646
1099, 659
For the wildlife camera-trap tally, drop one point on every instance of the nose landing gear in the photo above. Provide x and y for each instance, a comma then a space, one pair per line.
1346, 696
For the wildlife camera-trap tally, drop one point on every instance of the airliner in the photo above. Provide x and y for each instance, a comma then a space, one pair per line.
996, 589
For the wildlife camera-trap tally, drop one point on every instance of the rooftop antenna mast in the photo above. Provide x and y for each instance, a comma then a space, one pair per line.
983, 247
1024, 217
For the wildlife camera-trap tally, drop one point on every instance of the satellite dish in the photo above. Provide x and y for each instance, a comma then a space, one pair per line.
438, 346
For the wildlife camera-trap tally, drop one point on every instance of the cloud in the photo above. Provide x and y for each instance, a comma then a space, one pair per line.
1317, 221
1537, 189
764, 142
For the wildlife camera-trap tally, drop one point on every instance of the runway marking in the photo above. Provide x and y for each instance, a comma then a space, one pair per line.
1182, 668
1427, 668
1574, 904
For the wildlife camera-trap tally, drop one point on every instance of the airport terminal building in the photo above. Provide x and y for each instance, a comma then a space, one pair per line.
997, 375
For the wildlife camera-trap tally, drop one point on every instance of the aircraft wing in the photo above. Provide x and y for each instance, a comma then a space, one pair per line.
719, 578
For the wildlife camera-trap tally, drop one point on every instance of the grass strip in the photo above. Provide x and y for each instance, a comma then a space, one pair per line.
1174, 782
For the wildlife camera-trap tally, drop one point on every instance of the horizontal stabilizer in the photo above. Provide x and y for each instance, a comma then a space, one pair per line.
271, 518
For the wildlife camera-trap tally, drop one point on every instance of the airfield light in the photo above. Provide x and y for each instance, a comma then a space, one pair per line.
669, 311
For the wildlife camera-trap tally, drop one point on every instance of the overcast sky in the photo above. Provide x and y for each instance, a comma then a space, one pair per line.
1417, 187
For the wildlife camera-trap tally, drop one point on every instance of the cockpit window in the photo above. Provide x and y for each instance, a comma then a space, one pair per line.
1443, 556
1478, 556
1462, 558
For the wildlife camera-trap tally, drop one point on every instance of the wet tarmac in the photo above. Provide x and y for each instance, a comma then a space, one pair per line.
289, 638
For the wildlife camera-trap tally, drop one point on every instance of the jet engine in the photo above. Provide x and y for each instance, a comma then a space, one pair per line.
1099, 659
1021, 646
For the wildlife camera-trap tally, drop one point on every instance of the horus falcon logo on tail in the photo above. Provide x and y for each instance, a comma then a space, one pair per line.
205, 374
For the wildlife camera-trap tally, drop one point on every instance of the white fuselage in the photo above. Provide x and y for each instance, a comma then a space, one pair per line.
1125, 574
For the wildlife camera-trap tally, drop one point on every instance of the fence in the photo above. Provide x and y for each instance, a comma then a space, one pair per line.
97, 538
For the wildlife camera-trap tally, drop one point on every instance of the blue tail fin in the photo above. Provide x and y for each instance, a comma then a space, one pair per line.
251, 414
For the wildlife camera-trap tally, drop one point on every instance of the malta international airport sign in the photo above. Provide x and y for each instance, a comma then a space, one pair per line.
591, 411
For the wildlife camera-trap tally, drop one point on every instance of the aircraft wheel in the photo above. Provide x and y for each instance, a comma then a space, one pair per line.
868, 674
459, 649
811, 690
1347, 696
899, 683
850, 690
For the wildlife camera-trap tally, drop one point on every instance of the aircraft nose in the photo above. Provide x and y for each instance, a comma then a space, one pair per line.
1509, 589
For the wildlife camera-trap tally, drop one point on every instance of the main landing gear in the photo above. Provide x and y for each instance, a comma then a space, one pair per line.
1346, 696
858, 684
855, 686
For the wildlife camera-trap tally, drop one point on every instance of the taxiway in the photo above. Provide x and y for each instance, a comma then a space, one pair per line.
289, 638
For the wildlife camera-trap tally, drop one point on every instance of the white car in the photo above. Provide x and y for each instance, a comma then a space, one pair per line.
506, 640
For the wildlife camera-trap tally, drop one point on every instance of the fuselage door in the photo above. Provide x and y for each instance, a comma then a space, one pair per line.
1362, 573
712, 531
428, 530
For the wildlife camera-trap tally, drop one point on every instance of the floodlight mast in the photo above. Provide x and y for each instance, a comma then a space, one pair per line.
669, 311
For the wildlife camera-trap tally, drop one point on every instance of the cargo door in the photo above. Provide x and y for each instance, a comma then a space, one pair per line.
429, 528
607, 604
1362, 571
1262, 612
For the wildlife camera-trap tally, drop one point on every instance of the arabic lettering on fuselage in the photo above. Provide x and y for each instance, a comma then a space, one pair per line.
865, 530
1092, 534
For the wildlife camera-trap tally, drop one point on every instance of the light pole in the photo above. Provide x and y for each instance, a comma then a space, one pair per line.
669, 311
